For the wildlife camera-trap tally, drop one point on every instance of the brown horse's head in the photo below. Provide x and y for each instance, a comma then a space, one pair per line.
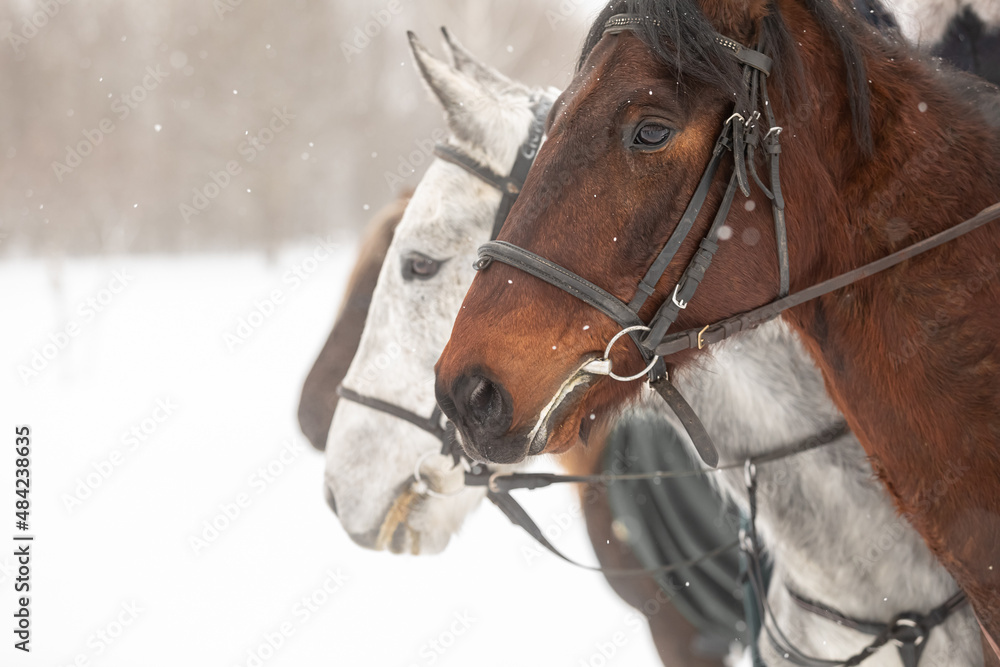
319, 392
627, 144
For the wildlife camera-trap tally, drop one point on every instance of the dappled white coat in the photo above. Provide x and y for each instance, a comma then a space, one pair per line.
923, 22
371, 456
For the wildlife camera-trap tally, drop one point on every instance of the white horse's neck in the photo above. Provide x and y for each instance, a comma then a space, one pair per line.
924, 22
829, 526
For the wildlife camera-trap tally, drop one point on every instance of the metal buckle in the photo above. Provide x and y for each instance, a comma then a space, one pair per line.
677, 302
775, 131
916, 633
701, 342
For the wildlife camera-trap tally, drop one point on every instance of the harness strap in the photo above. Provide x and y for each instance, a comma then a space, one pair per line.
522, 163
909, 631
747, 56
647, 285
519, 517
693, 274
698, 338
430, 424
509, 186
556, 275
536, 480
451, 154
689, 418
772, 144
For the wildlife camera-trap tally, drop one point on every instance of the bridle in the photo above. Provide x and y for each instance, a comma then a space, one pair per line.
509, 187
499, 484
741, 134
909, 631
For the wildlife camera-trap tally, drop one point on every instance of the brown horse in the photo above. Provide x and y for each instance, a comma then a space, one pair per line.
881, 148
672, 633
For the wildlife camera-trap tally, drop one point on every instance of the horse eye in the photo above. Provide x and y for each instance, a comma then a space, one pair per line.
651, 135
419, 266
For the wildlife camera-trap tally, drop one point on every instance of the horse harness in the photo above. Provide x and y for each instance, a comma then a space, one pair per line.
741, 134
908, 631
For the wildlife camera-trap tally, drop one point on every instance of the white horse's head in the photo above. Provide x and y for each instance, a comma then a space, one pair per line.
371, 456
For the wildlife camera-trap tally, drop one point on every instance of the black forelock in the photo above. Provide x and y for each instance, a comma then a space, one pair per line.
682, 37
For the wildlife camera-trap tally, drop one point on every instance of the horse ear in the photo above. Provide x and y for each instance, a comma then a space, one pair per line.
738, 19
468, 64
458, 94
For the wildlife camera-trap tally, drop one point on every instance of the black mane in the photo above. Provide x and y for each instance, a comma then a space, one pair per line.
683, 38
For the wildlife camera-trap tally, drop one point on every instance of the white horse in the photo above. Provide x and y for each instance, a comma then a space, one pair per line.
829, 527
371, 456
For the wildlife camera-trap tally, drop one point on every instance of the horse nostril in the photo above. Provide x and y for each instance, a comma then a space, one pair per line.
484, 400
330, 500
482, 405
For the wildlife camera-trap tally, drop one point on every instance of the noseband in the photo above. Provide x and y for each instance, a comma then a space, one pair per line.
509, 187
741, 135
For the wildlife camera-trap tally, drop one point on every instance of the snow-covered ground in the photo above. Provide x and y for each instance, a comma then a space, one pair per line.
147, 426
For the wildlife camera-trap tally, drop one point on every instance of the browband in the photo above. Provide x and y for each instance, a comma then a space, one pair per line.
509, 186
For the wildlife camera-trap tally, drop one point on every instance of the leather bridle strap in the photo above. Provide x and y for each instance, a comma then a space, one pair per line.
909, 631
451, 154
553, 274
513, 511
698, 338
430, 424
537, 480
733, 137
509, 186
499, 485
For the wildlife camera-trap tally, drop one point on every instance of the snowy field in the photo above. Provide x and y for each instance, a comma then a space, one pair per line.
153, 419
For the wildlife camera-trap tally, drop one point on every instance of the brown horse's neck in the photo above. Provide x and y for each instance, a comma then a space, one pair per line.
910, 355
935, 161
